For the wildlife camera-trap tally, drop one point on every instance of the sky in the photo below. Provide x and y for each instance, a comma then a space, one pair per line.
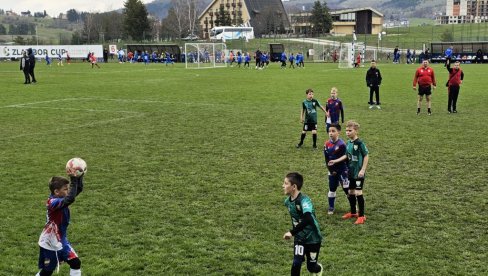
55, 7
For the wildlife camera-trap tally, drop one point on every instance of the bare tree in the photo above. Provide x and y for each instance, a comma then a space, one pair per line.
180, 14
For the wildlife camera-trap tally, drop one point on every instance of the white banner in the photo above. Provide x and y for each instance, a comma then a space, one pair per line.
40, 51
112, 49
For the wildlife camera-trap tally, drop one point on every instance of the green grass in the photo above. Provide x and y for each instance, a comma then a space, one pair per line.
185, 169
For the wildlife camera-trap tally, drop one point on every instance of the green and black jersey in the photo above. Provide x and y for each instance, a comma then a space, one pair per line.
310, 108
297, 208
356, 151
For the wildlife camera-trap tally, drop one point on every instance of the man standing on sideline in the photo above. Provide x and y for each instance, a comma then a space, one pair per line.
456, 76
425, 78
32, 63
373, 81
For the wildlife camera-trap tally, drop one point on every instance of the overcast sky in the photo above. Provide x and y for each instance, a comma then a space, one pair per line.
55, 7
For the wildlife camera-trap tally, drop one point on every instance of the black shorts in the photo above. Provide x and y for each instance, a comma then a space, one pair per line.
356, 183
309, 126
310, 251
425, 90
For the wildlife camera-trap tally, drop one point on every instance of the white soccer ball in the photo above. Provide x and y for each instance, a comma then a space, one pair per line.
76, 167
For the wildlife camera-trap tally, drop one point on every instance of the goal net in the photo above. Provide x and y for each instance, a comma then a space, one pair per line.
205, 55
349, 52
323, 52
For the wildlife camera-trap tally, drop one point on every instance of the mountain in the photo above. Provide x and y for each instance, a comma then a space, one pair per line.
390, 8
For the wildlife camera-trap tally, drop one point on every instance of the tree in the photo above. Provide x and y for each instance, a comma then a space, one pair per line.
223, 18
169, 26
320, 19
136, 22
3, 30
72, 15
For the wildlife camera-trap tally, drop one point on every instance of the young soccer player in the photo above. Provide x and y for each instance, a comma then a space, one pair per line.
308, 116
425, 78
456, 77
305, 227
373, 81
53, 242
93, 60
357, 154
335, 159
334, 109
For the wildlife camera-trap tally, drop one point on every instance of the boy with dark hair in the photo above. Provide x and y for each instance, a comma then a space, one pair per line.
373, 81
305, 227
53, 241
334, 109
357, 154
456, 76
335, 160
308, 116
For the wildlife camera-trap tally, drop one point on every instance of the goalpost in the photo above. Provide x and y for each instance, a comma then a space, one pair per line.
205, 55
349, 51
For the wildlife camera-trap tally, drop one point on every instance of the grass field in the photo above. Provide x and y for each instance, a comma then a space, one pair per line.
185, 169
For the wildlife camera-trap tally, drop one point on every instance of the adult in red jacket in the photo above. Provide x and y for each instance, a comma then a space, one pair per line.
424, 77
456, 76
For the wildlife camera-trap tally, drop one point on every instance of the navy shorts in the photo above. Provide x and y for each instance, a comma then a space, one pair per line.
48, 259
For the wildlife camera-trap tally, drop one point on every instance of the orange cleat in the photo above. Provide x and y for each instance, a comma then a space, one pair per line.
360, 220
349, 215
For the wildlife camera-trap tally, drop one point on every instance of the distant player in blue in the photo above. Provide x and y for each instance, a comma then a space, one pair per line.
305, 226
291, 59
145, 57
283, 60
300, 61
448, 55
48, 60
335, 154
53, 242
247, 59
334, 109
239, 59
168, 59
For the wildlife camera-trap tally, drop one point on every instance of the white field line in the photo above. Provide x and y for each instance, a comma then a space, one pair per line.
101, 122
79, 109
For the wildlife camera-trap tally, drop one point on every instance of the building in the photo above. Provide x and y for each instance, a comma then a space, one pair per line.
265, 16
360, 21
464, 11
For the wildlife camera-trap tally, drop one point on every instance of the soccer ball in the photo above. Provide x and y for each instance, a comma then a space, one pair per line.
76, 167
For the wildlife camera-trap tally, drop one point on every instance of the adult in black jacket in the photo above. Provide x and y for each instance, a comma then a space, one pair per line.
25, 67
32, 63
373, 81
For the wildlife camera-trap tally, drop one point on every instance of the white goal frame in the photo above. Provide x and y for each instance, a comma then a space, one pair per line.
205, 55
349, 51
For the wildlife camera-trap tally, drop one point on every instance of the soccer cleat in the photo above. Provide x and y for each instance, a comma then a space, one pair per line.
349, 215
454, 111
418, 112
429, 113
330, 211
314, 148
360, 220
449, 111
371, 106
298, 146
379, 107
321, 270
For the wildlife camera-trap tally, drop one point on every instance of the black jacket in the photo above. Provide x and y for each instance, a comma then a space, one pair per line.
373, 77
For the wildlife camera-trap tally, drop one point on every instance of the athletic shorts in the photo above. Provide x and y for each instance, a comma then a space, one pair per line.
309, 126
356, 183
336, 178
425, 90
48, 259
311, 251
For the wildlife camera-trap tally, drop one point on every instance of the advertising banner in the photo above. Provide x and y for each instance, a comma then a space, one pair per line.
40, 51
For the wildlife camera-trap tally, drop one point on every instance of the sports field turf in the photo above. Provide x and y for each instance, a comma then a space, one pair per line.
185, 169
